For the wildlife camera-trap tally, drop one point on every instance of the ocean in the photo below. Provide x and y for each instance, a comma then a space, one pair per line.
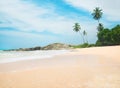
13, 56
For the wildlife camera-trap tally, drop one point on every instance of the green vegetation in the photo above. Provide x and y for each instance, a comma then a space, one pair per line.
85, 45
97, 14
106, 36
109, 36
77, 28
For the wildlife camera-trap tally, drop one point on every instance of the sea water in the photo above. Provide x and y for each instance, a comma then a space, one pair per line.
13, 56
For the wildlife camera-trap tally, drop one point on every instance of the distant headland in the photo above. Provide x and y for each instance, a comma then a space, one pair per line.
54, 46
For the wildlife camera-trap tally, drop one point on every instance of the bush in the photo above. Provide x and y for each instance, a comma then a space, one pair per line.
85, 45
109, 36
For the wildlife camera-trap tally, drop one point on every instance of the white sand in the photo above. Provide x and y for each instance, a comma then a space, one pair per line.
97, 67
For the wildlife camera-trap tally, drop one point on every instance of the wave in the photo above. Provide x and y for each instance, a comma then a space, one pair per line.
13, 56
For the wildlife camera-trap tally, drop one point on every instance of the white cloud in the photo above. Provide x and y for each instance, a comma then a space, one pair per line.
21, 14
111, 8
26, 16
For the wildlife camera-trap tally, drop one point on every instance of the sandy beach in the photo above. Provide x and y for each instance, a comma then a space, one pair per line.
97, 67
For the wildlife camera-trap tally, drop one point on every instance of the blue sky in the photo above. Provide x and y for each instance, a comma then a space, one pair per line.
29, 23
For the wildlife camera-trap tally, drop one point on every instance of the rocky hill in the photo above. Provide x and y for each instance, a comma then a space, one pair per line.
54, 46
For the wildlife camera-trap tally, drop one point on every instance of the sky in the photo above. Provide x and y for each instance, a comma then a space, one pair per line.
29, 23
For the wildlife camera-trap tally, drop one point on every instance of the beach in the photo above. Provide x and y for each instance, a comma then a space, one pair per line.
97, 67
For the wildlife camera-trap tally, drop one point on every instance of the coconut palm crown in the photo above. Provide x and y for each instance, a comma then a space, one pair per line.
76, 27
97, 13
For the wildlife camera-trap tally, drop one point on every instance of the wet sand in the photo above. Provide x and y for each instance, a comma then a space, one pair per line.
97, 67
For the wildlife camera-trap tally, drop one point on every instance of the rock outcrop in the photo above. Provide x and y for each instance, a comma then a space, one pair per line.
54, 46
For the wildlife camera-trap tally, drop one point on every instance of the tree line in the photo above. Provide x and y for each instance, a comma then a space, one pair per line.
105, 36
109, 36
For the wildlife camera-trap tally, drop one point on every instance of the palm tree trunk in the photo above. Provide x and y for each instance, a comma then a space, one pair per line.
87, 38
82, 37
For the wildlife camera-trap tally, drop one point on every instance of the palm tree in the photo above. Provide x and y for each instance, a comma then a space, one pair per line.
85, 34
77, 28
97, 14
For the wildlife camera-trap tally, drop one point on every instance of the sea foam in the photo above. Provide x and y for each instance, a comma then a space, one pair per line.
13, 56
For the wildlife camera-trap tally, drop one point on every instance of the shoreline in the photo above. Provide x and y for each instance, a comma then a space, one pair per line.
96, 67
72, 55
16, 56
